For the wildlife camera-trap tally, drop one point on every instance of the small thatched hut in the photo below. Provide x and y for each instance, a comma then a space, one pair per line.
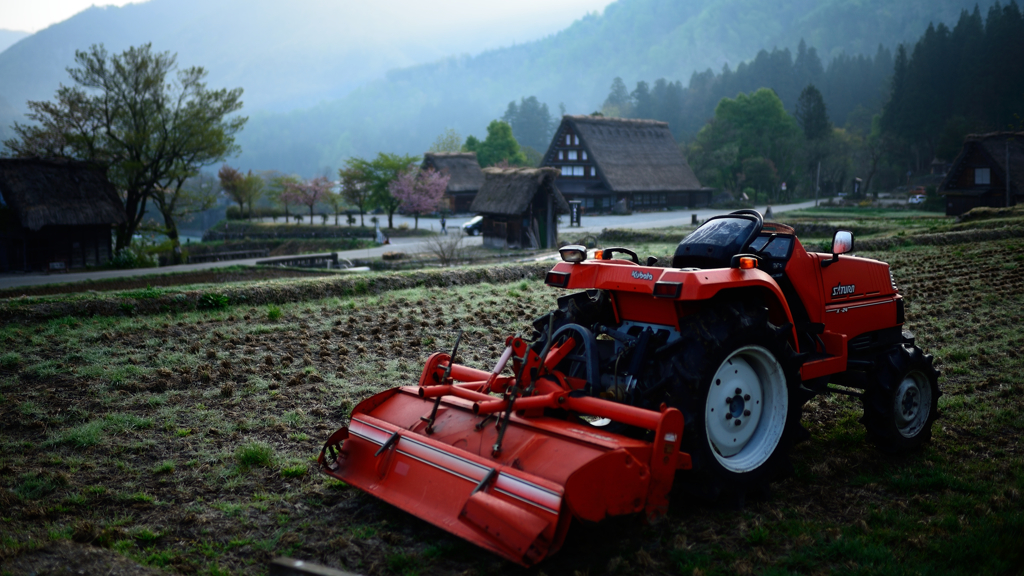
520, 207
465, 177
989, 171
55, 214
603, 162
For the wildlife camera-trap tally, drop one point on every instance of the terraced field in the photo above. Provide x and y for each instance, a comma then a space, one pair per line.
185, 441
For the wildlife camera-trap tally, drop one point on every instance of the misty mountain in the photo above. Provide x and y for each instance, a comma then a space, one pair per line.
313, 70
632, 39
284, 54
8, 37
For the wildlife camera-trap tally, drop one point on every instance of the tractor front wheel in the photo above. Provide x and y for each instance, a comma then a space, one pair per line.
902, 402
736, 384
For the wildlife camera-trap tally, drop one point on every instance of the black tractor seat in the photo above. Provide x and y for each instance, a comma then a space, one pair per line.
717, 240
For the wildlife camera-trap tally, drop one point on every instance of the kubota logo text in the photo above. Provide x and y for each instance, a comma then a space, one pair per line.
643, 275
841, 290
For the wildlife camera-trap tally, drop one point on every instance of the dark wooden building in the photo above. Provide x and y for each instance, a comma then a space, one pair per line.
602, 161
989, 171
55, 214
465, 177
520, 207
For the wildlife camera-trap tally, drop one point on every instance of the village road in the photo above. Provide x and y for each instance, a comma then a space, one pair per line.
591, 225
594, 224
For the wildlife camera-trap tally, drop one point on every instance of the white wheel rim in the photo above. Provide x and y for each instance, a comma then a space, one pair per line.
749, 387
912, 404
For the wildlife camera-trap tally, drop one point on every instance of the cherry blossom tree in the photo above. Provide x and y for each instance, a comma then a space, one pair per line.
419, 191
307, 193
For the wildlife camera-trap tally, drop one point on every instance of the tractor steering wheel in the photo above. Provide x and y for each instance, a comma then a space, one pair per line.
607, 254
757, 229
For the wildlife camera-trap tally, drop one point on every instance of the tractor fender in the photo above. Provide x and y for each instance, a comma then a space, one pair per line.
735, 284
684, 285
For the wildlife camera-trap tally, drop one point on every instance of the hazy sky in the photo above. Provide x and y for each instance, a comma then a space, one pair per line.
34, 15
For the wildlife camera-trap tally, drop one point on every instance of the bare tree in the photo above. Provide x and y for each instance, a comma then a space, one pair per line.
447, 248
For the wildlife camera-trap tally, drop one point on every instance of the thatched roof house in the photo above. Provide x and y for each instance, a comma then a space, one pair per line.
56, 212
520, 207
989, 171
465, 176
604, 161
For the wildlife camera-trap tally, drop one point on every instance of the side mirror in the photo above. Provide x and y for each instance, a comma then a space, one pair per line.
842, 242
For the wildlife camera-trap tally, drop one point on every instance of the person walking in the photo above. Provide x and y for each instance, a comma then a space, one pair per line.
444, 222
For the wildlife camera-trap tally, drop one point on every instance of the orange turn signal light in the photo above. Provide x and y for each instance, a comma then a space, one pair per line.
747, 263
598, 255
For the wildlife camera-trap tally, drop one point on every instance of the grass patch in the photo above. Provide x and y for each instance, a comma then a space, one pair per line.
10, 360
140, 498
143, 294
165, 467
121, 423
91, 433
36, 485
405, 564
297, 471
82, 436
255, 455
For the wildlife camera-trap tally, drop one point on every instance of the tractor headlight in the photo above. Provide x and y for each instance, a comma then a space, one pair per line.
573, 253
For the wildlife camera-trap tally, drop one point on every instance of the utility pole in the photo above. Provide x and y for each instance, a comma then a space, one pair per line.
817, 184
1007, 172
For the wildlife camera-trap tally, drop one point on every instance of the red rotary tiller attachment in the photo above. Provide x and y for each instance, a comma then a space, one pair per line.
506, 461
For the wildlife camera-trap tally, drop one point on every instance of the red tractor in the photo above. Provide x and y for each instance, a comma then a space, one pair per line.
644, 377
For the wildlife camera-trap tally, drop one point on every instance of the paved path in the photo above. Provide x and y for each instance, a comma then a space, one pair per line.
407, 245
591, 225
594, 224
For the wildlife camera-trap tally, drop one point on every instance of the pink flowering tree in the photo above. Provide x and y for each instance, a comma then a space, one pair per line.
419, 191
307, 193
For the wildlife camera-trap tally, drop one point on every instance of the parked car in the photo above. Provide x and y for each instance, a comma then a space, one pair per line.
474, 227
916, 199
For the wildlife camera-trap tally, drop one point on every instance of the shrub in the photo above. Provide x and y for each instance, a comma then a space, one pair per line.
212, 301
134, 256
233, 213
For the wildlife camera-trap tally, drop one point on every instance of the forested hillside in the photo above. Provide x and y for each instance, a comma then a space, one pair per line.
854, 88
288, 56
882, 120
633, 39
956, 80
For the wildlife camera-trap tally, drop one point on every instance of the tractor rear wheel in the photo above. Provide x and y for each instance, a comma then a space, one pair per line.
902, 402
736, 384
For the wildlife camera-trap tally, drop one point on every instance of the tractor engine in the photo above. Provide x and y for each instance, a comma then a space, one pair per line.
622, 362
